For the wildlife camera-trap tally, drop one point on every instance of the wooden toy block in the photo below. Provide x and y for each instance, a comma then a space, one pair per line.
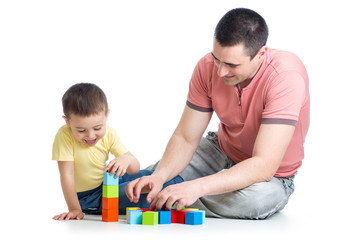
110, 180
110, 215
110, 203
203, 214
150, 218
174, 216
164, 217
134, 216
181, 217
174, 207
145, 210
194, 218
131, 208
111, 191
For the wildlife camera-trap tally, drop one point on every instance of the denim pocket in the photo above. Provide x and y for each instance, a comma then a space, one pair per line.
91, 201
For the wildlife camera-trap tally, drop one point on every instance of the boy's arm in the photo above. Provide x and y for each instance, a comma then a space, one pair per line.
66, 170
126, 163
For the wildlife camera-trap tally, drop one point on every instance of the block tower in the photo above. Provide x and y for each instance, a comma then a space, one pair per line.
110, 199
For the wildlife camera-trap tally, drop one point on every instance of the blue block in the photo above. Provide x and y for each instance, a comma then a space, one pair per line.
164, 217
110, 180
203, 213
194, 218
134, 217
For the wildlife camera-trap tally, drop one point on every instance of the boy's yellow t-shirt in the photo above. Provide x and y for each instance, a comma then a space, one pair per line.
89, 162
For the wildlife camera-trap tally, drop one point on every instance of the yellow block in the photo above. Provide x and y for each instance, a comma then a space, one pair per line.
190, 209
131, 208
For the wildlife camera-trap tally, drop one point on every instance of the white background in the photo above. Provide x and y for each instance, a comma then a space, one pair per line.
142, 54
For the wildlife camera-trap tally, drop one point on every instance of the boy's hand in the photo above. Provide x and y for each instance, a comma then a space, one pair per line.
118, 165
126, 163
74, 214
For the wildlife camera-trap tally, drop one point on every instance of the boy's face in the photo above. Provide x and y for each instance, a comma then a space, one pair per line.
87, 130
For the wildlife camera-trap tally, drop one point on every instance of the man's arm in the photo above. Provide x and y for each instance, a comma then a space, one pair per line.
269, 149
177, 156
183, 143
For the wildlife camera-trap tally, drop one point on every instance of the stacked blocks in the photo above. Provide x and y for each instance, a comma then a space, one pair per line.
147, 217
110, 199
130, 208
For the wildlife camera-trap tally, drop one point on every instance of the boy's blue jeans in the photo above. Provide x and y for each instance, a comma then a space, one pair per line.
91, 201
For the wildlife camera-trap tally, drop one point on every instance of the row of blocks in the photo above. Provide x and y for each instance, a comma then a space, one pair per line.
147, 217
110, 200
110, 209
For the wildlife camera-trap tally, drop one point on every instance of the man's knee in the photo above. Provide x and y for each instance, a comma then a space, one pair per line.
263, 199
258, 201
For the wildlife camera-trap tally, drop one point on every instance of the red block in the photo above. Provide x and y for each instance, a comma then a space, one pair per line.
145, 210
181, 217
110, 203
110, 215
174, 216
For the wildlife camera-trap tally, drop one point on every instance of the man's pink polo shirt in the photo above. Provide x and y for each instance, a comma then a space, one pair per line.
278, 94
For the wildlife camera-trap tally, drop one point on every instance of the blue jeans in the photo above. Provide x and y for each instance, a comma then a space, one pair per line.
91, 201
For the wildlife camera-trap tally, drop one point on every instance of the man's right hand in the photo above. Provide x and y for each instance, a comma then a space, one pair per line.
147, 184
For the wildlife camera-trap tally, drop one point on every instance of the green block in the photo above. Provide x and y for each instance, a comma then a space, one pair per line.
110, 191
150, 218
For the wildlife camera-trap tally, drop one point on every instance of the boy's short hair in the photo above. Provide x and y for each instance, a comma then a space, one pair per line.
84, 99
242, 25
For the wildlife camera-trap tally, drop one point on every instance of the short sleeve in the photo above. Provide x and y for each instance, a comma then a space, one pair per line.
284, 99
63, 146
115, 145
199, 95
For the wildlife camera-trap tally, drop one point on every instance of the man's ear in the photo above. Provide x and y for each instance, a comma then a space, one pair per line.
66, 120
262, 52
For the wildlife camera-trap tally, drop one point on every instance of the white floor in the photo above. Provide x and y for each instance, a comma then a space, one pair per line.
280, 226
298, 220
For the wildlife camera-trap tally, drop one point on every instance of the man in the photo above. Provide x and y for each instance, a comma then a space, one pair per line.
246, 169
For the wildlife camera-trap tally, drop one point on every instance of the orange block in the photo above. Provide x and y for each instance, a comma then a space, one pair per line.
110, 203
110, 215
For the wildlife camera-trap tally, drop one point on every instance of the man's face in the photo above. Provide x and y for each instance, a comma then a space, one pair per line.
234, 65
87, 130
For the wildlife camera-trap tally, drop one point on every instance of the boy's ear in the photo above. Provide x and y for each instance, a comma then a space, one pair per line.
107, 115
66, 120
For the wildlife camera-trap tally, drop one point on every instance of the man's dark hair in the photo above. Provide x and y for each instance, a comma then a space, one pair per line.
242, 25
84, 99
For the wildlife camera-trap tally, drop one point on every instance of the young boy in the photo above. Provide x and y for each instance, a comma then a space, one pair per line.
81, 148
